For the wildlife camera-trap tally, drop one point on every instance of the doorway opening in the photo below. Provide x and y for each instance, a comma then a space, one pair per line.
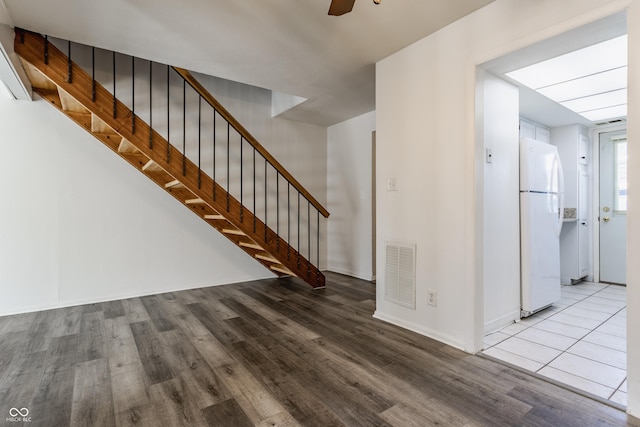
581, 339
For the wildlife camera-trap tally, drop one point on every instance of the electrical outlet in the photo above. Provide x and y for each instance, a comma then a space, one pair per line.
432, 297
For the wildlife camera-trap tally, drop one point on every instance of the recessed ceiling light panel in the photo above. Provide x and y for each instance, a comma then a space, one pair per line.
605, 113
602, 100
593, 79
594, 84
590, 60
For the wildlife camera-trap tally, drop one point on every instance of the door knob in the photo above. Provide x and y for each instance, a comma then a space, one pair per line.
606, 209
606, 219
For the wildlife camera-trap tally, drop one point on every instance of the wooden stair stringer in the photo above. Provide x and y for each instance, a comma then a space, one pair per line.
183, 181
138, 160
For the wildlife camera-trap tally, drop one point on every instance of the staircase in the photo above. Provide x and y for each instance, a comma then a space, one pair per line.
282, 237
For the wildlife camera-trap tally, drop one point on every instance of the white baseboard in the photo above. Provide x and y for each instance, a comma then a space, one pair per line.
366, 277
501, 322
419, 329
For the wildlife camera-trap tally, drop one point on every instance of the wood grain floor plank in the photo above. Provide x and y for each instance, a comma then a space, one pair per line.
61, 356
92, 320
463, 396
67, 321
175, 405
122, 352
91, 308
92, 345
254, 398
131, 403
402, 415
212, 351
546, 412
144, 415
151, 353
184, 319
22, 379
191, 297
212, 297
135, 311
214, 325
154, 305
51, 405
193, 370
113, 309
373, 380
10, 344
346, 403
306, 407
296, 314
227, 413
260, 324
267, 353
274, 349
92, 403
282, 419
281, 321
40, 332
16, 322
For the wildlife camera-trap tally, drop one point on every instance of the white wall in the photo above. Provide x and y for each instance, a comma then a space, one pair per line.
497, 127
78, 224
633, 215
11, 74
349, 188
426, 138
299, 147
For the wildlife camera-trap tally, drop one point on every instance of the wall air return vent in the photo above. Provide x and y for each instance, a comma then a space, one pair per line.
400, 274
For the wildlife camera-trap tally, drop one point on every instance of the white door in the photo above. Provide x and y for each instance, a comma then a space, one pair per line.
613, 207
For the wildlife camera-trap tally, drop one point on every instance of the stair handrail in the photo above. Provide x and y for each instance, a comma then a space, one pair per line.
294, 240
207, 96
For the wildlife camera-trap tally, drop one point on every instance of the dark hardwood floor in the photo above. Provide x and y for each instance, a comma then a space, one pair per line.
268, 353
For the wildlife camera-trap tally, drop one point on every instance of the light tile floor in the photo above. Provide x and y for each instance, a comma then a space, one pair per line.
579, 341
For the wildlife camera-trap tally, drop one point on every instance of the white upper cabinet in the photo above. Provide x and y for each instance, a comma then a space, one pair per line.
529, 129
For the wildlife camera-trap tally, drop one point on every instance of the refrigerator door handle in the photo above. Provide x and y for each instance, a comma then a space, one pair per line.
560, 194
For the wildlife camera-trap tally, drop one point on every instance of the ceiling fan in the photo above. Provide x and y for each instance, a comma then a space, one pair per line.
340, 7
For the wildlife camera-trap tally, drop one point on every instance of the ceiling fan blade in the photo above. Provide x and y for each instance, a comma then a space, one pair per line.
340, 7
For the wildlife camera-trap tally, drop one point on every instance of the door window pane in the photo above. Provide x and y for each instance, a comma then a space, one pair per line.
620, 203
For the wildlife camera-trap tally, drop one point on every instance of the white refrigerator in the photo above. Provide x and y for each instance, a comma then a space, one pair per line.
541, 213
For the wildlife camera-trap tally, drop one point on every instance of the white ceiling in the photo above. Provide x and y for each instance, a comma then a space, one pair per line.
535, 106
289, 46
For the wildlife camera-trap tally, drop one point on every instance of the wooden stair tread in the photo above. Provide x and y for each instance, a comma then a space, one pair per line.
197, 201
50, 95
217, 217
69, 103
250, 245
151, 166
233, 231
283, 270
36, 77
173, 184
83, 119
99, 126
268, 259
111, 139
126, 147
